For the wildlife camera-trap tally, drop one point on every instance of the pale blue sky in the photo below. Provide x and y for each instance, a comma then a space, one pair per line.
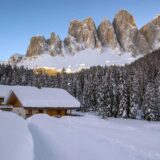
21, 19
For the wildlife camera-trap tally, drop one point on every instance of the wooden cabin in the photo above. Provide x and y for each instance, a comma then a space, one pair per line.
27, 101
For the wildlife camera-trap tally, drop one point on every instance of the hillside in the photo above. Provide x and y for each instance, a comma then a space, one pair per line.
81, 60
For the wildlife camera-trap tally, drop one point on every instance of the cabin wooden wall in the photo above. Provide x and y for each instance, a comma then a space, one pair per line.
55, 112
14, 101
17, 106
51, 112
19, 111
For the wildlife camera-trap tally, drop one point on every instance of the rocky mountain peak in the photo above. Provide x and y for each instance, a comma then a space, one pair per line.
15, 58
90, 24
128, 35
125, 17
75, 25
107, 35
37, 46
151, 32
55, 44
54, 38
122, 36
81, 35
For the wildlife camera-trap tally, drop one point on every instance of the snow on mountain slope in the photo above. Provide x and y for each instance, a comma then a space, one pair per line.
82, 59
91, 138
15, 139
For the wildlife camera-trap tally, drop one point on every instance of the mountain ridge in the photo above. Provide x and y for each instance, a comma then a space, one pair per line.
120, 36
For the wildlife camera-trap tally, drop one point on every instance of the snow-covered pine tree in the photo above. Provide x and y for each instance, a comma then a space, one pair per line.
122, 89
149, 103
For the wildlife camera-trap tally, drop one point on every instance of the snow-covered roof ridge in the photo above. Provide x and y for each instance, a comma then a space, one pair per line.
43, 97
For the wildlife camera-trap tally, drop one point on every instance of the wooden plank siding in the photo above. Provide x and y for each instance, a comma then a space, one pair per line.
51, 112
54, 112
14, 101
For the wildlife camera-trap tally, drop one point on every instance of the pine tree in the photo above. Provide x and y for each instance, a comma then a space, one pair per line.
149, 103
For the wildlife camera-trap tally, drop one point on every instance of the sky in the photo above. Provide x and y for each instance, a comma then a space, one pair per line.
22, 19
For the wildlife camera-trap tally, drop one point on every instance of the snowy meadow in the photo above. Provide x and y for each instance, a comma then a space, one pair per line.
75, 138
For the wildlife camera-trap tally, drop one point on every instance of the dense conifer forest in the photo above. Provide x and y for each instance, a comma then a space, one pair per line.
130, 91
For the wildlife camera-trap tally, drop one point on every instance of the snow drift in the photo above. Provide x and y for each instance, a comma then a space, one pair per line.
92, 138
15, 139
77, 138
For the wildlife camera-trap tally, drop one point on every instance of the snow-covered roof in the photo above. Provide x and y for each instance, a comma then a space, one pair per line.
43, 97
4, 90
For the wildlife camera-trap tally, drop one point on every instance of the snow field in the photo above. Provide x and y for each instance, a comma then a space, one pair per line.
15, 139
91, 138
82, 59
42, 137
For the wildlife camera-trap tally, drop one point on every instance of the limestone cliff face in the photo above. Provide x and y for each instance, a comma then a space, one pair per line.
122, 36
107, 35
128, 35
151, 32
55, 45
82, 35
77, 40
71, 46
15, 58
37, 46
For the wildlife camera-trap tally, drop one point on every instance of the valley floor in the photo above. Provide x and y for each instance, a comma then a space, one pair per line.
80, 138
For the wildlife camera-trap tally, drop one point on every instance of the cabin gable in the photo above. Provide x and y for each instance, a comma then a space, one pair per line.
14, 101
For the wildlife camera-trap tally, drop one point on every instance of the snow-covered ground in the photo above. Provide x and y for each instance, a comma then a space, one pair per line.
15, 139
82, 59
87, 138
91, 138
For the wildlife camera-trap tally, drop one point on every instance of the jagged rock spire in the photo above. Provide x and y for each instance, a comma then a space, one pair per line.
128, 35
151, 32
107, 35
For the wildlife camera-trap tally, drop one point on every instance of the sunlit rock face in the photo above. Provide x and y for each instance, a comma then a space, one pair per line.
15, 58
151, 32
82, 35
128, 35
55, 45
121, 36
107, 35
37, 46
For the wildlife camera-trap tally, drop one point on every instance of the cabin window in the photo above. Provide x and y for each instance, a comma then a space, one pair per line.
40, 111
